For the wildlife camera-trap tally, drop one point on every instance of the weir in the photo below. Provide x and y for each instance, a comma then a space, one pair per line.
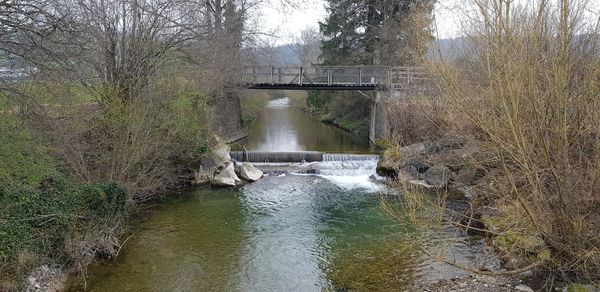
297, 156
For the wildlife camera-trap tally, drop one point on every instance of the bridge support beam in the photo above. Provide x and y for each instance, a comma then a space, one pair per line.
379, 127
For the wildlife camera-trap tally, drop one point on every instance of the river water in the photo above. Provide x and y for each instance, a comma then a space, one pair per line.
286, 232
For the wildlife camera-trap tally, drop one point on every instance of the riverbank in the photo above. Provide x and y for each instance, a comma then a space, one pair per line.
47, 217
325, 217
454, 166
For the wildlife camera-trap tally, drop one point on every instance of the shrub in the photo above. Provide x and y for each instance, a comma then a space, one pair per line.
530, 89
42, 207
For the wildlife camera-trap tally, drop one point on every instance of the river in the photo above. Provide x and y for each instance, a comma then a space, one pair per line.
287, 232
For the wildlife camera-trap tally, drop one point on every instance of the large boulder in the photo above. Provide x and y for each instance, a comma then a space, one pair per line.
418, 163
393, 160
412, 150
226, 177
408, 173
202, 176
438, 176
387, 167
210, 164
250, 173
469, 175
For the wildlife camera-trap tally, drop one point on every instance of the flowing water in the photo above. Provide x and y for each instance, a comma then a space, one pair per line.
286, 232
283, 128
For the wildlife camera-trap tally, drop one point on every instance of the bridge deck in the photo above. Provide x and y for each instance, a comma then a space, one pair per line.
334, 77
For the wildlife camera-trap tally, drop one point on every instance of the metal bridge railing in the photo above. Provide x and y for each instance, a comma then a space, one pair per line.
350, 76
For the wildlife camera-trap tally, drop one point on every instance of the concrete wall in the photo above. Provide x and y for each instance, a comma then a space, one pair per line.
381, 111
379, 129
227, 116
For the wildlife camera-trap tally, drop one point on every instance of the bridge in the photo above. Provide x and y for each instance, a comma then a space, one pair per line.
336, 78
389, 84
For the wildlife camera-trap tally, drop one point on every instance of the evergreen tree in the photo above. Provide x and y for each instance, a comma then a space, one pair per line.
368, 32
383, 32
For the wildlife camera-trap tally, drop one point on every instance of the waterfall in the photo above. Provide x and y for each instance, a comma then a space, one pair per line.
349, 157
298, 156
265, 156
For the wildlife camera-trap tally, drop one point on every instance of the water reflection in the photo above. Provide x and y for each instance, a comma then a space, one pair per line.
284, 128
293, 232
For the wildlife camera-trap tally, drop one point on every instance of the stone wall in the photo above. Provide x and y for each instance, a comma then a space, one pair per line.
227, 116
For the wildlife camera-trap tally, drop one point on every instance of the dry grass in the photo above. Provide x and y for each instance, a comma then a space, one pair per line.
416, 119
530, 93
532, 88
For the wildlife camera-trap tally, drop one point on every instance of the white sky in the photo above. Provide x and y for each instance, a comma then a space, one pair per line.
285, 24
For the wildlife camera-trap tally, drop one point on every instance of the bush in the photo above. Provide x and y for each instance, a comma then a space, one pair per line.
42, 208
530, 89
349, 111
416, 119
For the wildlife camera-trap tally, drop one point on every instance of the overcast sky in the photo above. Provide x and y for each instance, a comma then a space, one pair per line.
285, 24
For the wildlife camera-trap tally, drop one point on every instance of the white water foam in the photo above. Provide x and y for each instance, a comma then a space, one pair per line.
351, 174
279, 103
348, 175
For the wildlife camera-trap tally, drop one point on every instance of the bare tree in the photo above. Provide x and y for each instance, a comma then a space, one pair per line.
308, 45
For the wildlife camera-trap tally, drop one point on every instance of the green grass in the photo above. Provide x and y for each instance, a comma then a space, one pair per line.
42, 206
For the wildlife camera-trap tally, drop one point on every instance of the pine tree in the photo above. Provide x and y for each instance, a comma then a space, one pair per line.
383, 32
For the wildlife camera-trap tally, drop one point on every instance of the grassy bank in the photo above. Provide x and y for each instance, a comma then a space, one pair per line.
75, 160
253, 103
46, 215
349, 111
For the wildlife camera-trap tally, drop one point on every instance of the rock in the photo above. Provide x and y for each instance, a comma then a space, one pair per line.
523, 288
210, 164
387, 167
418, 163
438, 176
226, 177
202, 176
408, 173
221, 152
250, 173
392, 160
468, 175
412, 150
468, 192
450, 159
312, 171
431, 148
525, 275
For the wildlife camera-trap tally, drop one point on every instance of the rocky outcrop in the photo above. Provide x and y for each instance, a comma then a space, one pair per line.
211, 164
226, 177
391, 162
438, 176
218, 169
444, 163
249, 173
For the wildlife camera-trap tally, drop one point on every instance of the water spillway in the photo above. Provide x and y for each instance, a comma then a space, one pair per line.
297, 156
350, 157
